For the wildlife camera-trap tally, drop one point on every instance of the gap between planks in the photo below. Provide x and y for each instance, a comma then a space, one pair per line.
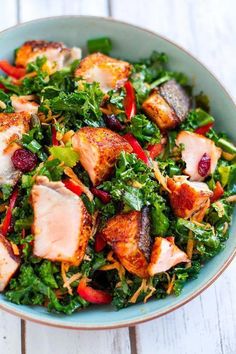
133, 340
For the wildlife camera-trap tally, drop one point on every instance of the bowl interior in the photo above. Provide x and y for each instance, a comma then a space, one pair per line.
131, 43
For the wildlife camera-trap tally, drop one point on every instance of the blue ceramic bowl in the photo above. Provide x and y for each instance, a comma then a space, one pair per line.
132, 43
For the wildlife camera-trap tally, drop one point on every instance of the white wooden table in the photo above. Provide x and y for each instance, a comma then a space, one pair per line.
208, 324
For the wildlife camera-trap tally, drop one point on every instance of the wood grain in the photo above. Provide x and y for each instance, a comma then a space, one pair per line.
207, 325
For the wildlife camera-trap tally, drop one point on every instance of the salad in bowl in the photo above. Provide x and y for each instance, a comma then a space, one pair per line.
115, 186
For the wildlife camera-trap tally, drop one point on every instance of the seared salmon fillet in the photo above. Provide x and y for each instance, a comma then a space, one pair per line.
12, 126
22, 104
199, 153
57, 54
187, 198
62, 226
128, 235
9, 263
99, 149
109, 72
165, 255
167, 106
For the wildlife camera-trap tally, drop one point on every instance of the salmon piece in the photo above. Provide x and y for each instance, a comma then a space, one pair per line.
195, 146
57, 54
99, 149
188, 198
22, 104
128, 235
165, 255
109, 72
12, 126
167, 106
9, 263
62, 226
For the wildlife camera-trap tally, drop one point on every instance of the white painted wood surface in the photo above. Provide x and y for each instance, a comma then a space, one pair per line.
207, 325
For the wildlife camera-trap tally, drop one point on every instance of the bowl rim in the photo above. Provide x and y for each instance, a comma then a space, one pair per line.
144, 318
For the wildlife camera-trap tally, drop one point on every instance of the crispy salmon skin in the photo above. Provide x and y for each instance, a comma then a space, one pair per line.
130, 242
167, 106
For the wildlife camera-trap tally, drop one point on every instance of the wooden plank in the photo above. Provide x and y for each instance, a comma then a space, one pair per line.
30, 10
203, 27
10, 328
10, 334
207, 324
8, 14
41, 339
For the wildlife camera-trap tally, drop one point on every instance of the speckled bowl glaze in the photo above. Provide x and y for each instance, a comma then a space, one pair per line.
132, 43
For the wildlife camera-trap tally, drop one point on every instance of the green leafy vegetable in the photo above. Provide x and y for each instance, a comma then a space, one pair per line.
102, 44
65, 154
144, 130
195, 119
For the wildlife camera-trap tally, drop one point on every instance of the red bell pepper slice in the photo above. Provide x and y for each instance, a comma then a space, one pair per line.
137, 149
217, 192
2, 87
102, 195
100, 243
72, 186
204, 129
55, 142
7, 220
11, 70
92, 295
129, 101
155, 150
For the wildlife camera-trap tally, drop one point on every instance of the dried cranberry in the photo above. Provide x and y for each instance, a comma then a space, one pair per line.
113, 123
102, 195
204, 165
24, 160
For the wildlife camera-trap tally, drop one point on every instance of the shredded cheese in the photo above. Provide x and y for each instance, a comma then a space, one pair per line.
190, 245
114, 265
143, 287
32, 74
226, 226
67, 136
171, 285
70, 280
231, 199
94, 224
2, 105
152, 291
70, 173
228, 156
64, 268
159, 177
15, 249
221, 209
